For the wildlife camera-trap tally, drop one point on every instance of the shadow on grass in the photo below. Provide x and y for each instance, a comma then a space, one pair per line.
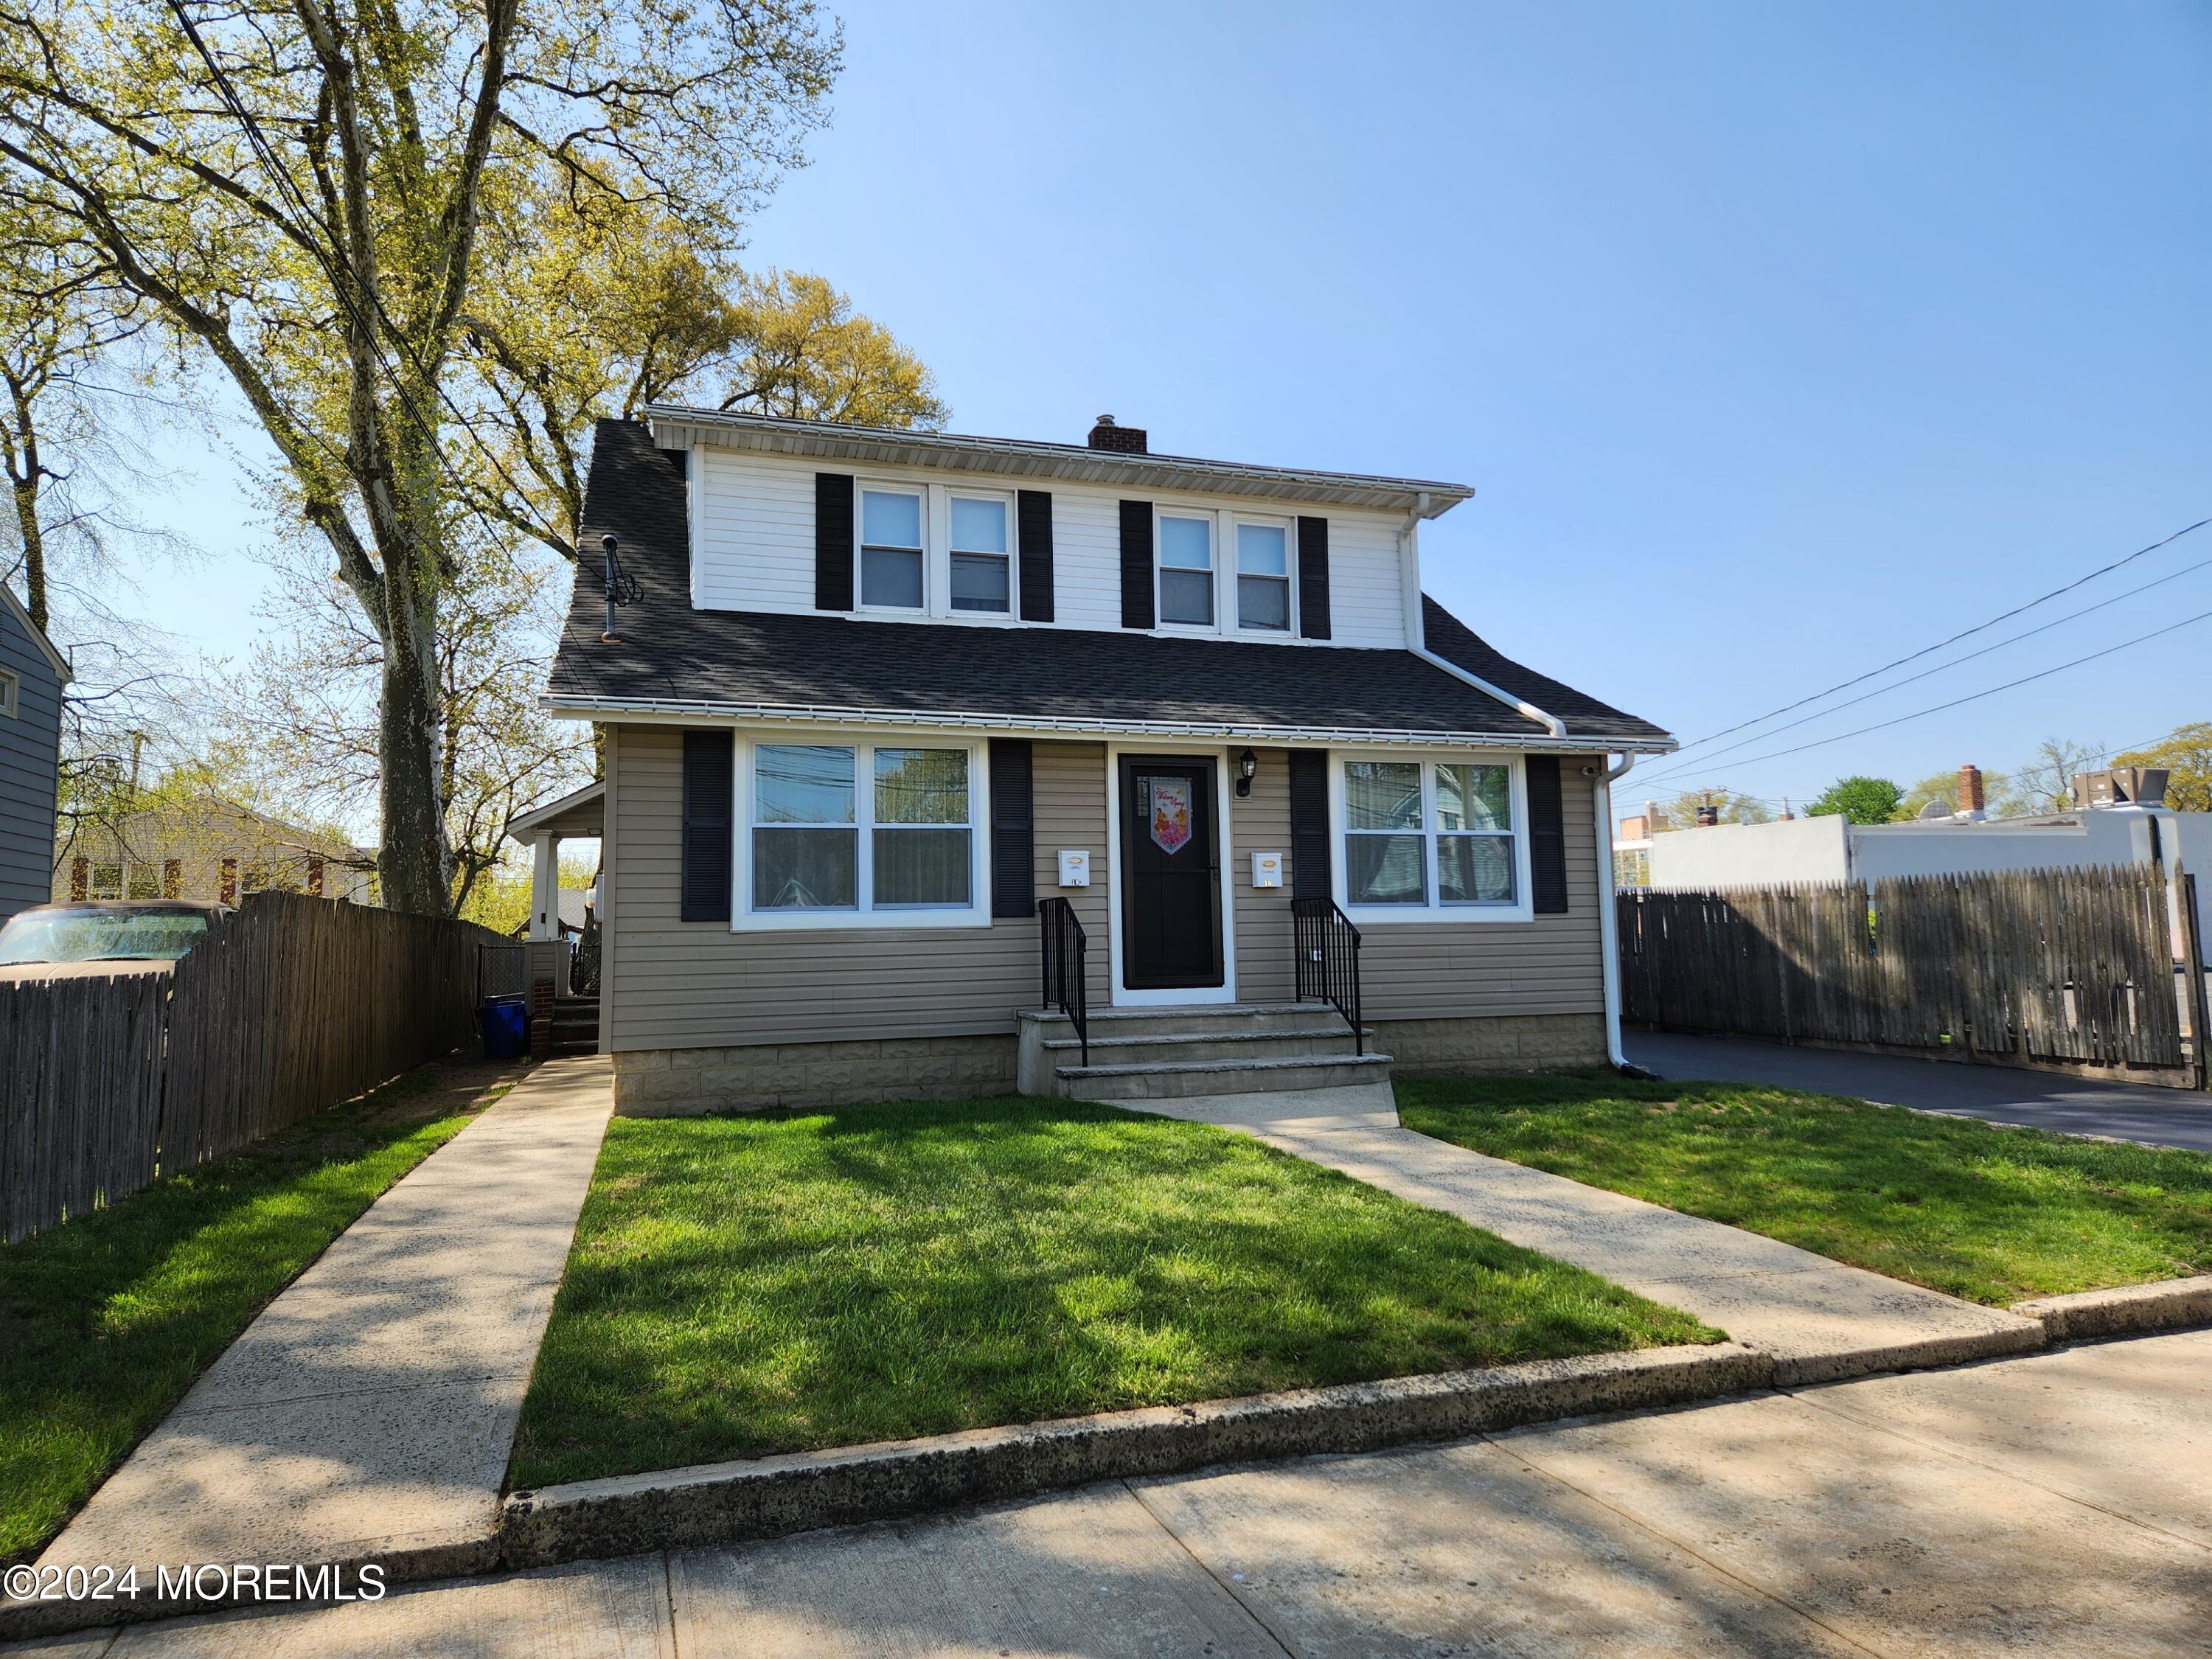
107, 1320
743, 1286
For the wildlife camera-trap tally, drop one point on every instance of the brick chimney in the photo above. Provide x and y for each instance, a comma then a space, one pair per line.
1708, 817
1971, 802
1121, 439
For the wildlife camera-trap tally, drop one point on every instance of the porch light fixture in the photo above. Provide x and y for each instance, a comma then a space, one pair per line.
1247, 765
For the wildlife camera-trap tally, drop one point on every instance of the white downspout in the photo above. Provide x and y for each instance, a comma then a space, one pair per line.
1608, 927
1409, 565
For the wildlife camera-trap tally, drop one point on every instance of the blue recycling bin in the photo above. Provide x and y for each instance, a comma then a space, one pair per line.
504, 1023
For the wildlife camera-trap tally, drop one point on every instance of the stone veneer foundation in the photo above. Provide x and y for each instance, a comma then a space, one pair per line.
690, 1082
1495, 1042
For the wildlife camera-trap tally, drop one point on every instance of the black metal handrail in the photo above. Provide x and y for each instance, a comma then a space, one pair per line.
1328, 961
1064, 944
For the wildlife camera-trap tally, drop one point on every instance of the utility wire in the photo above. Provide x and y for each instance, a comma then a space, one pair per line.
1956, 702
1943, 667
2105, 570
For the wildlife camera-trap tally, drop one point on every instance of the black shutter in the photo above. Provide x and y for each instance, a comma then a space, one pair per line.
1136, 564
1547, 837
709, 788
1033, 527
1313, 578
832, 541
1309, 865
1013, 828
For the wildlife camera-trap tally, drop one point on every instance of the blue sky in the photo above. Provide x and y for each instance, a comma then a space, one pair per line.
1777, 341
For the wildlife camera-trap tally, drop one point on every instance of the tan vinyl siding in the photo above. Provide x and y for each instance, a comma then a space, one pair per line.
1550, 965
696, 985
1261, 823
1071, 814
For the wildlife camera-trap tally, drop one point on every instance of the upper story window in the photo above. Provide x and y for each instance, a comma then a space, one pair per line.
1186, 571
1263, 577
983, 564
8, 695
892, 567
864, 829
1431, 835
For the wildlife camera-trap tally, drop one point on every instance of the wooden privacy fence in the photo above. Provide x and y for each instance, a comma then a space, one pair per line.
286, 1008
2056, 967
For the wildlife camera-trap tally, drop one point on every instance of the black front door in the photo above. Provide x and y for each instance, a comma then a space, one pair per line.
1170, 875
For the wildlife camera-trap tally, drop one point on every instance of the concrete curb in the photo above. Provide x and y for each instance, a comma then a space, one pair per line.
770, 1496
2023, 1335
2132, 1309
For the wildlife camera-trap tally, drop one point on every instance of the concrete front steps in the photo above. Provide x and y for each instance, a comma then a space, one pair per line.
1207, 1049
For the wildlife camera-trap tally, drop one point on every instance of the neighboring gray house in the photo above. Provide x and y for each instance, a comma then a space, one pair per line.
894, 711
32, 676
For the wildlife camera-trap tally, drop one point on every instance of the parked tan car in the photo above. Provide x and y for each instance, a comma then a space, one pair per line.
62, 941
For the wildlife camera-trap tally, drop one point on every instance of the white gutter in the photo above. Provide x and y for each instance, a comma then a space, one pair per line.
1608, 924
1409, 564
601, 708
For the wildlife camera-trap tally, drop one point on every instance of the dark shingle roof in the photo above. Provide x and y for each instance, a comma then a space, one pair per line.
671, 655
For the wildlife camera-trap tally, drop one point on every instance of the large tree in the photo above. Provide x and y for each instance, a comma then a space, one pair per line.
623, 311
299, 191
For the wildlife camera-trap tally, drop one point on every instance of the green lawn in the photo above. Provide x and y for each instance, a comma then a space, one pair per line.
742, 1285
107, 1319
1987, 1212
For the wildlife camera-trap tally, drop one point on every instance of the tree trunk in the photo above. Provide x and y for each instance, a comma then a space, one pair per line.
412, 863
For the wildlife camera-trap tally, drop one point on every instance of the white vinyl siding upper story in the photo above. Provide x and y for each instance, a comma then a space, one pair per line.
752, 549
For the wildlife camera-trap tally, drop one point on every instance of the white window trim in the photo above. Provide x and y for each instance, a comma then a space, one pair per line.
1175, 996
10, 695
923, 494
1212, 519
1289, 578
1523, 907
1006, 499
745, 919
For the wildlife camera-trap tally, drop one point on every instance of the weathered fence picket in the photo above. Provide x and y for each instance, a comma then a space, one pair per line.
2059, 967
286, 1008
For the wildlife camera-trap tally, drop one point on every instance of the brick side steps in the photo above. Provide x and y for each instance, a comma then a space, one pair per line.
1165, 1054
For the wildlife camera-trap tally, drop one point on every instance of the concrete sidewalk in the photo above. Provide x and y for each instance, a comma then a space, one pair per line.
1999, 1094
1819, 1319
370, 1409
2057, 1504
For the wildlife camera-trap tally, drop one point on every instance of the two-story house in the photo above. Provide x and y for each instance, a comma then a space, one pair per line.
901, 722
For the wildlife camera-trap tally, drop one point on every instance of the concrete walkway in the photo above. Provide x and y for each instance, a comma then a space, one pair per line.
371, 1407
2059, 1504
1999, 1094
1819, 1319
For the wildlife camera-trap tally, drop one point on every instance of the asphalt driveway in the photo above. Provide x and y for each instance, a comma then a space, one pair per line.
2000, 1094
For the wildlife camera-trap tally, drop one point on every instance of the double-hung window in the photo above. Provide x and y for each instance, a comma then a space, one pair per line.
1263, 577
1430, 835
983, 562
861, 828
1185, 570
8, 695
891, 561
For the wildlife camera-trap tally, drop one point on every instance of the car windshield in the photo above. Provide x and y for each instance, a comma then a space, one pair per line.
101, 936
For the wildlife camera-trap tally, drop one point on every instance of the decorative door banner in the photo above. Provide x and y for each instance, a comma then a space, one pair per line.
1170, 813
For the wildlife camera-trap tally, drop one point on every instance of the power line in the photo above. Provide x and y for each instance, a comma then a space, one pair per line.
1956, 702
1956, 662
2018, 610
